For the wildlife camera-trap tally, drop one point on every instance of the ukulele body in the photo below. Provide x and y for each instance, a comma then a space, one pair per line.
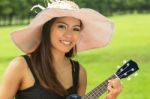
74, 96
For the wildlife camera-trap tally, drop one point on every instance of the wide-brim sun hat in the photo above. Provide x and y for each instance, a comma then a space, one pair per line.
97, 29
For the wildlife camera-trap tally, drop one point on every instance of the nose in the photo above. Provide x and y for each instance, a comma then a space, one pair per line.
68, 33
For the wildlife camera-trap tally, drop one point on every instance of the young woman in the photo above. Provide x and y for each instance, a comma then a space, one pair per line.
47, 71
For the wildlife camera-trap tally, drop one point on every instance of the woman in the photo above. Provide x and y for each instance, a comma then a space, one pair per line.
47, 71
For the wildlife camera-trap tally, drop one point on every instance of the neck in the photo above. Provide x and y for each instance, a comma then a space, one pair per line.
59, 58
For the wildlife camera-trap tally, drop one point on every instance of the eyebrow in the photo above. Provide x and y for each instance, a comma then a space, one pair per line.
67, 24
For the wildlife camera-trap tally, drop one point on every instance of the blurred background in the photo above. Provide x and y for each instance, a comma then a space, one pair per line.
131, 40
17, 12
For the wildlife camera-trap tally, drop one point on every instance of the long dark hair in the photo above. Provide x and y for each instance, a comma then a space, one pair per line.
42, 61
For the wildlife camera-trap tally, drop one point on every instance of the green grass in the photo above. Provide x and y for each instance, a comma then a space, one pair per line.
130, 41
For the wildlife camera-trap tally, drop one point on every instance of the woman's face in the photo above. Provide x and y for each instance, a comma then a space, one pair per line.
65, 33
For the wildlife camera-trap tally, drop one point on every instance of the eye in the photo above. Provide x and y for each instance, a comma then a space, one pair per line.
76, 29
61, 26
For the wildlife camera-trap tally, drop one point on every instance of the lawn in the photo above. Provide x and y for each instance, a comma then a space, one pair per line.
131, 40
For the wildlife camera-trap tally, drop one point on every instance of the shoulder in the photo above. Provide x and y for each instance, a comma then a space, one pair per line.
82, 84
12, 77
18, 63
16, 67
82, 70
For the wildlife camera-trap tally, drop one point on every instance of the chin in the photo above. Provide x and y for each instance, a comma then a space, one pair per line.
66, 51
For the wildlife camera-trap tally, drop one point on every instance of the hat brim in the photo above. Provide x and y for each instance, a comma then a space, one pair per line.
97, 31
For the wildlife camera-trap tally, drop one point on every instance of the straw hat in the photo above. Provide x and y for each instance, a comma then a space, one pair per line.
97, 31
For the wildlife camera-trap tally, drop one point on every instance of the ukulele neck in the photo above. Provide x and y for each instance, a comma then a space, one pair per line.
100, 89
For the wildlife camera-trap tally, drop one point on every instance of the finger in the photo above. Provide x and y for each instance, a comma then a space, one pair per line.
110, 83
116, 83
109, 88
114, 86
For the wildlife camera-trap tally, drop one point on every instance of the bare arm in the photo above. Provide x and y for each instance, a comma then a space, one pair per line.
82, 81
12, 79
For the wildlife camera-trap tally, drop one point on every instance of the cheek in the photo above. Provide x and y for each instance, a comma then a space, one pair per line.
55, 35
76, 37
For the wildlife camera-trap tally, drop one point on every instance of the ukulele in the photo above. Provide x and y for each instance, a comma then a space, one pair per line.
126, 70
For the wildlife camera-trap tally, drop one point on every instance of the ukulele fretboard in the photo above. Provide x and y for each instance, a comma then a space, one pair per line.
99, 90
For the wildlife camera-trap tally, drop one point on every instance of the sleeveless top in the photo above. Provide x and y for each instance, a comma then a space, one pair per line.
39, 92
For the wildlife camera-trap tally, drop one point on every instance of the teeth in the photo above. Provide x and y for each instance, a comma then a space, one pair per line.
66, 42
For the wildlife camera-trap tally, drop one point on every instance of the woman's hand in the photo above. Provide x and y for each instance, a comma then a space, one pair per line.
114, 88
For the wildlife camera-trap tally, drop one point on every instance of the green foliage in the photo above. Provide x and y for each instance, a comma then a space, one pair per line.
17, 7
107, 7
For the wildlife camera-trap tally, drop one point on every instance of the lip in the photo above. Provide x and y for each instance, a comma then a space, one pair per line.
66, 42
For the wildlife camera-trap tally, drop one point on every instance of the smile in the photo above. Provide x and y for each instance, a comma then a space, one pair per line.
66, 42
